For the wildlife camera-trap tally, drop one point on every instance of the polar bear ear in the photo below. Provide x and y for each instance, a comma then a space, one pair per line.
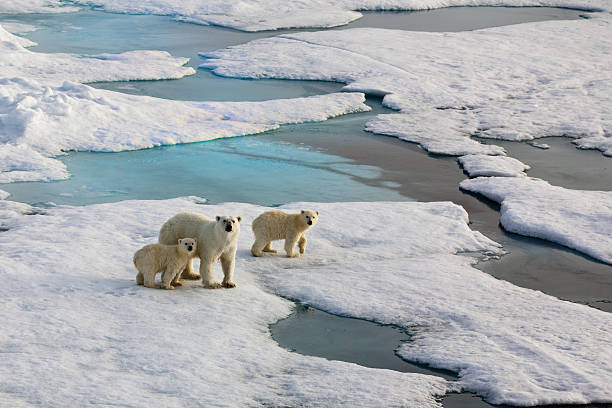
303, 211
180, 242
317, 212
239, 219
218, 218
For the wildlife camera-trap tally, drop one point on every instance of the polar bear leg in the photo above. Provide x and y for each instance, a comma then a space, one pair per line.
227, 264
206, 270
290, 242
268, 249
258, 246
188, 272
139, 279
302, 243
149, 279
167, 278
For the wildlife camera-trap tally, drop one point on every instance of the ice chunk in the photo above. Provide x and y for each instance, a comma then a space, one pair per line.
483, 165
578, 219
507, 83
16, 61
40, 121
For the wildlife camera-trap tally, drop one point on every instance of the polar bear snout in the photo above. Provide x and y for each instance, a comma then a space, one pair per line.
229, 224
187, 244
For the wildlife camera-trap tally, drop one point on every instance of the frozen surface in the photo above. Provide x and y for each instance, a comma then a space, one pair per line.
45, 120
578, 219
484, 165
4, 195
79, 332
516, 82
398, 264
35, 6
389, 262
257, 15
17, 61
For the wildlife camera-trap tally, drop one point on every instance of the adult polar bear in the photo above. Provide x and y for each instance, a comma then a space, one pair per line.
217, 240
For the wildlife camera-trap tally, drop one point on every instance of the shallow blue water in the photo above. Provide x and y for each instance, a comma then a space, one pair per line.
244, 169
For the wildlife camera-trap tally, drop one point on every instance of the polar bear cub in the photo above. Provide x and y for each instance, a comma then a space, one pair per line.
217, 240
274, 225
170, 260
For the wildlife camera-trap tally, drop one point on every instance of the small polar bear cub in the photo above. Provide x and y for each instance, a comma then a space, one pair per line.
170, 260
274, 225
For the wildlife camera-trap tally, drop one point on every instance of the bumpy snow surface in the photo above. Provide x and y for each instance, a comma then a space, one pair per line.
578, 219
17, 61
483, 165
35, 6
516, 82
43, 113
256, 15
42, 121
78, 331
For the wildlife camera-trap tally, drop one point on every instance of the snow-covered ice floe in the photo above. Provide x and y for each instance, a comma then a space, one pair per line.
578, 219
35, 6
515, 82
484, 165
17, 61
78, 331
44, 112
39, 122
257, 15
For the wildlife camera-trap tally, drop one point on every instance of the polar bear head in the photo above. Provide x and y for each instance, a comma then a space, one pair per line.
309, 217
187, 245
229, 224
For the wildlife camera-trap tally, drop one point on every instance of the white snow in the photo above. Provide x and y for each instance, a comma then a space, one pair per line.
16, 61
257, 15
516, 82
35, 6
39, 122
17, 27
484, 165
78, 331
4, 195
578, 219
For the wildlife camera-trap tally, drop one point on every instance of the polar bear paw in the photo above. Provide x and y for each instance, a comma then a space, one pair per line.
191, 276
212, 285
228, 285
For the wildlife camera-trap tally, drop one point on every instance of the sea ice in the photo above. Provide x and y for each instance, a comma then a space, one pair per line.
40, 121
35, 6
578, 219
17, 61
515, 83
79, 331
257, 15
484, 165
4, 195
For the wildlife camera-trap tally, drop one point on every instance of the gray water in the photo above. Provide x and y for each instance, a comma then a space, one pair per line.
348, 163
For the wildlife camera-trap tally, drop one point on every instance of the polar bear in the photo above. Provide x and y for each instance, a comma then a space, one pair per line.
170, 260
217, 239
274, 225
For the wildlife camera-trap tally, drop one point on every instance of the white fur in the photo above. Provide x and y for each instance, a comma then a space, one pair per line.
214, 243
170, 260
274, 225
